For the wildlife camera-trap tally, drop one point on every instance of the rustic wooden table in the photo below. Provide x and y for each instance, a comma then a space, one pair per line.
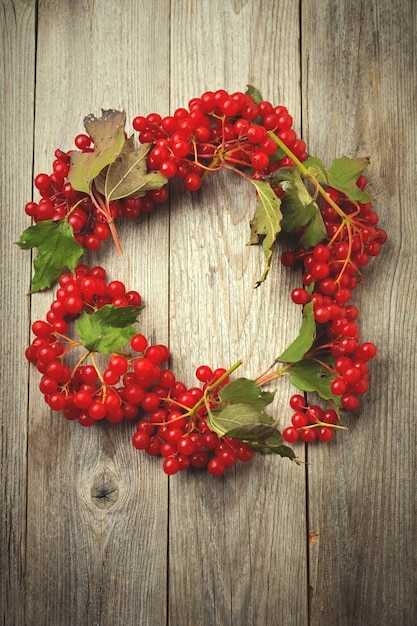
331, 542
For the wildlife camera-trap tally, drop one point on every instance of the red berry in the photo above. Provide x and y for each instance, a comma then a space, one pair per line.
297, 402
42, 182
245, 453
73, 304
299, 296
83, 399
116, 289
259, 160
41, 328
97, 410
308, 434
199, 459
186, 446
349, 401
290, 434
366, 351
141, 440
134, 393
325, 433
299, 419
118, 364
204, 373
139, 343
171, 465
56, 401
215, 467
82, 141
192, 181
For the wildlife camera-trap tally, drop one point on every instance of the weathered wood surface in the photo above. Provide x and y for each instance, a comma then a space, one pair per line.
331, 542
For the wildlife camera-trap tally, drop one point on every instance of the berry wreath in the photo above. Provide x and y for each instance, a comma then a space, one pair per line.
109, 371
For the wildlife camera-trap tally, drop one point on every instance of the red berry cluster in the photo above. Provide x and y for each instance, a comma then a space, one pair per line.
332, 271
59, 200
177, 429
83, 391
310, 423
218, 130
173, 418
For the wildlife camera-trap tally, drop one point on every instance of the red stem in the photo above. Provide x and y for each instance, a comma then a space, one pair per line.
105, 211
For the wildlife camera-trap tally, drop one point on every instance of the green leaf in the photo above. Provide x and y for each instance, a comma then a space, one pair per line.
305, 339
344, 173
316, 168
245, 391
301, 215
315, 230
234, 417
57, 249
254, 93
266, 223
241, 406
263, 437
128, 175
309, 375
274, 445
253, 432
118, 316
107, 132
108, 329
241, 415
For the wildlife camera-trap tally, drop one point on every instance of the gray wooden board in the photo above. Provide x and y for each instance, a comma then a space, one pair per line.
329, 542
362, 506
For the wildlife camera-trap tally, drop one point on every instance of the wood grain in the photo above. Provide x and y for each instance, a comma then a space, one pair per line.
97, 511
93, 532
362, 503
228, 542
17, 82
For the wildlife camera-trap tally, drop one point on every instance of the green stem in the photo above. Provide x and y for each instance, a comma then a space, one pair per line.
319, 423
74, 206
210, 388
307, 174
224, 376
191, 412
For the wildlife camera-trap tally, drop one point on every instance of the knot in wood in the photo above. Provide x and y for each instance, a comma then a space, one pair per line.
104, 490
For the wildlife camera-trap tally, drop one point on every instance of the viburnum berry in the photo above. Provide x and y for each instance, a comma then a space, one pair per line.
350, 401
259, 159
290, 434
204, 373
299, 296
192, 181
297, 402
216, 467
299, 419
324, 433
141, 440
139, 343
308, 435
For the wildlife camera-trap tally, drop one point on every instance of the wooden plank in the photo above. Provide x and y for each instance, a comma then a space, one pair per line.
236, 544
359, 99
16, 138
95, 559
